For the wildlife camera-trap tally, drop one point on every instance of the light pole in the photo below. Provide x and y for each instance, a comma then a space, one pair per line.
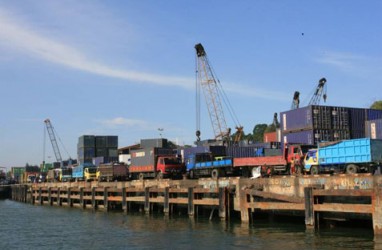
160, 132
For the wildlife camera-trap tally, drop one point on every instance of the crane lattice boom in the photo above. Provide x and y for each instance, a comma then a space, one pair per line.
206, 79
53, 140
319, 92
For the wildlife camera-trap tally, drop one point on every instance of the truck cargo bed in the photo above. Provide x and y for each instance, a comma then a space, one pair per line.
350, 151
259, 161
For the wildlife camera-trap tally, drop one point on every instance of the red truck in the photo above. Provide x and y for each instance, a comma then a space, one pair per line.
155, 162
290, 162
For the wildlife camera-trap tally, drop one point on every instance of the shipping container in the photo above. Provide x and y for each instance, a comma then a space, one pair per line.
45, 167
214, 150
242, 152
17, 171
34, 169
86, 141
100, 141
312, 137
264, 145
86, 153
270, 137
357, 118
151, 143
112, 141
374, 114
145, 156
101, 152
314, 117
340, 118
373, 129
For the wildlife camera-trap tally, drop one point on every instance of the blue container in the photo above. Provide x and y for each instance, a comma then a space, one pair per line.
312, 137
297, 119
373, 129
314, 117
374, 114
242, 152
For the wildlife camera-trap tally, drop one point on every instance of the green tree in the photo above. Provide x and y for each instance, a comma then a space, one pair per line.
376, 105
258, 132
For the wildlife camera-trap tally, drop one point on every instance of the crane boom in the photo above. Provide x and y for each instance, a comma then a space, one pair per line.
53, 140
319, 92
206, 79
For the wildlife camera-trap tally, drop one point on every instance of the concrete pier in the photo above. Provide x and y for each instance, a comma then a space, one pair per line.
312, 197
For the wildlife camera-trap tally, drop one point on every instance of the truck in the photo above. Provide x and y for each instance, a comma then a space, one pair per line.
84, 172
155, 162
289, 162
112, 172
65, 174
53, 175
205, 164
345, 156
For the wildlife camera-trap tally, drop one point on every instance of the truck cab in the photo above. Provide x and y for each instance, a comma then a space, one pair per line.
311, 161
85, 171
169, 166
295, 156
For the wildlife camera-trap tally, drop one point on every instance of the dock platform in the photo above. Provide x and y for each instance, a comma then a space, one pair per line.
316, 198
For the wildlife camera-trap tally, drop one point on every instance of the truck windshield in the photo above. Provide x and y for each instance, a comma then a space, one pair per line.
305, 148
171, 161
92, 170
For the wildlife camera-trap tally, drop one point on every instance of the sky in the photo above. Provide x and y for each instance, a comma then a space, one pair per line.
127, 68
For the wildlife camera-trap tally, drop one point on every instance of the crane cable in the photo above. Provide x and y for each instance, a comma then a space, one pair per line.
226, 100
62, 144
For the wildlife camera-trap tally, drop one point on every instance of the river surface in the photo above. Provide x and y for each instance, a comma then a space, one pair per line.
26, 226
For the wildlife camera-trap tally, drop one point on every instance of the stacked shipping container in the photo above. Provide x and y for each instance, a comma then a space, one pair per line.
314, 124
102, 147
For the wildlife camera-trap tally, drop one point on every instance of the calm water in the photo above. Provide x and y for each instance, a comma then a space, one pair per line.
25, 226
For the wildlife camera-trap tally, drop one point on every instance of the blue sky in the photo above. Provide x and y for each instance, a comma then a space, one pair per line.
127, 68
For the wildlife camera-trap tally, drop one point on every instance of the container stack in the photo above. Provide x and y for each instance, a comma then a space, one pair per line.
104, 148
86, 148
314, 124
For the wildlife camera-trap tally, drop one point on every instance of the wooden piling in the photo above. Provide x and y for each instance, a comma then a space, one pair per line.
309, 211
191, 202
147, 200
166, 203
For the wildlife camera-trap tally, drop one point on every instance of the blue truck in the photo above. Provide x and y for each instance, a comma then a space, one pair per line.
205, 164
346, 156
84, 172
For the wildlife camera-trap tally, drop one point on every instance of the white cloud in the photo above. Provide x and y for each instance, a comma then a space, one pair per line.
19, 37
351, 63
120, 122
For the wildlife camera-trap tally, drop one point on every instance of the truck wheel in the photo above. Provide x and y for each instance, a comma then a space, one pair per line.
313, 170
351, 169
141, 176
215, 174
